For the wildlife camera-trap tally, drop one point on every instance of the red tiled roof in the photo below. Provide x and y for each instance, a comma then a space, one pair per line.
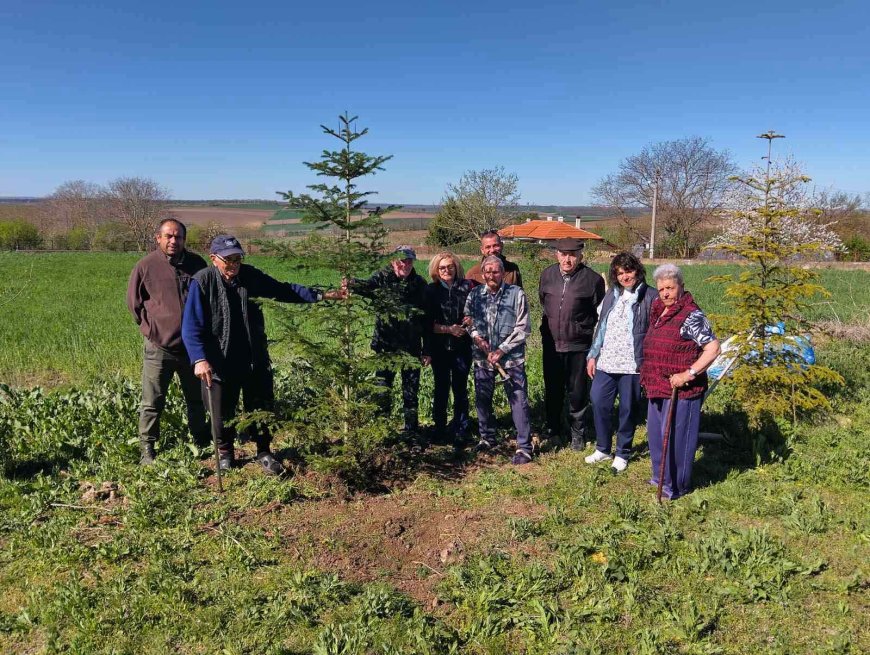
546, 231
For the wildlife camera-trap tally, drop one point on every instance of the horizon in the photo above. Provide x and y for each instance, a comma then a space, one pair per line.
230, 104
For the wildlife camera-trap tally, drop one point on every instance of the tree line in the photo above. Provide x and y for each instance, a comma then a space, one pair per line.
693, 186
79, 215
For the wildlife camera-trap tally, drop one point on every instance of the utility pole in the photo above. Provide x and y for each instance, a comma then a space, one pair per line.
770, 135
652, 233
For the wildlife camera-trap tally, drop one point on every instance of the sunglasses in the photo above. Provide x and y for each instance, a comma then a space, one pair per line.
232, 259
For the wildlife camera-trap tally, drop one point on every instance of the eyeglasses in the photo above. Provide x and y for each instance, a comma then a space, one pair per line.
231, 260
449, 267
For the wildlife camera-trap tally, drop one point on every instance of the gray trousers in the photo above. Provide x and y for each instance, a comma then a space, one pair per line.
158, 367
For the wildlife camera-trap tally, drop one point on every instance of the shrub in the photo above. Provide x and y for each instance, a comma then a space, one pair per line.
17, 235
857, 249
78, 238
111, 236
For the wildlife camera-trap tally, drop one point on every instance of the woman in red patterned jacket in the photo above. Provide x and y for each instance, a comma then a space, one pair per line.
678, 348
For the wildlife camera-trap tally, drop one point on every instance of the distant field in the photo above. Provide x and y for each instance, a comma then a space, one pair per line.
229, 217
63, 317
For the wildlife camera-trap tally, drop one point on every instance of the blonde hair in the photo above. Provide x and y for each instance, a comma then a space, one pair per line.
437, 259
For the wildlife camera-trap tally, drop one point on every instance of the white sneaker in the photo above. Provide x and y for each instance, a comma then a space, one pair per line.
619, 464
596, 457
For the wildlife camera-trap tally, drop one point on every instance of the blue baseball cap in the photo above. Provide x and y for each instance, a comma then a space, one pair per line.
405, 252
224, 245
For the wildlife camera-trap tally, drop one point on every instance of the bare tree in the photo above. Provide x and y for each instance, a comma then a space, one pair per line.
75, 204
482, 200
690, 178
833, 206
140, 204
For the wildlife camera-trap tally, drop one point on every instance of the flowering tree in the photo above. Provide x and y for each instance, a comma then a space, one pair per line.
803, 224
770, 229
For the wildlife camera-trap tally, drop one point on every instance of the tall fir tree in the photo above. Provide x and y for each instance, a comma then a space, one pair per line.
772, 380
335, 421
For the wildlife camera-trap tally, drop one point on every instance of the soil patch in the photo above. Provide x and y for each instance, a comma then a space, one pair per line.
406, 539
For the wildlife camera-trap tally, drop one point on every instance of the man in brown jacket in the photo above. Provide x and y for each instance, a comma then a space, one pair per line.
155, 296
491, 244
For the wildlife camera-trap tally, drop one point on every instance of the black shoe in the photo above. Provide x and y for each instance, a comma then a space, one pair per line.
520, 458
578, 444
147, 454
271, 466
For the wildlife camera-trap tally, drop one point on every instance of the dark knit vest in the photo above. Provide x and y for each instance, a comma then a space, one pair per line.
665, 352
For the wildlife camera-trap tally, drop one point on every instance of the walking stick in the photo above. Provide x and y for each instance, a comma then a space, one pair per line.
666, 437
214, 438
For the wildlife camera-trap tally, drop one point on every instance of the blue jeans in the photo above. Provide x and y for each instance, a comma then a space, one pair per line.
450, 371
517, 393
682, 445
605, 388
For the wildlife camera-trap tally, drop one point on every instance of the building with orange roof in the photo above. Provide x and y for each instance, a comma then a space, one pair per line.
544, 231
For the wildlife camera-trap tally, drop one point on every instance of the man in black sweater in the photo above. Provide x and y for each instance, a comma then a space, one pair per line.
570, 293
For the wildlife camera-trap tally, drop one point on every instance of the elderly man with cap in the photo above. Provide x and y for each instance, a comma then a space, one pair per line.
225, 336
400, 328
570, 293
491, 245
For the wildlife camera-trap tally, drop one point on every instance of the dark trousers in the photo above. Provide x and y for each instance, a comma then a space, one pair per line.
682, 445
450, 371
554, 402
517, 393
565, 373
410, 393
605, 388
158, 367
257, 392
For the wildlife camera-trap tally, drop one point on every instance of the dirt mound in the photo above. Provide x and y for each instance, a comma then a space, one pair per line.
408, 539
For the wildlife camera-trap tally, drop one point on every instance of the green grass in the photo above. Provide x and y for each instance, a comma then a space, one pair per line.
558, 557
63, 317
570, 559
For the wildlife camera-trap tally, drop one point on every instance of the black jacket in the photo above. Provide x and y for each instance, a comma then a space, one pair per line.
399, 305
446, 307
569, 306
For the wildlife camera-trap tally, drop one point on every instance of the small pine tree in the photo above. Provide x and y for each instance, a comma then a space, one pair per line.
337, 426
772, 380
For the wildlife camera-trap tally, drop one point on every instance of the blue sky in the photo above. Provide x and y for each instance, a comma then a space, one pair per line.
224, 99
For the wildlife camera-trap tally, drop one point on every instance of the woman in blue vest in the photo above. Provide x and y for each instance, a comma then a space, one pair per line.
615, 357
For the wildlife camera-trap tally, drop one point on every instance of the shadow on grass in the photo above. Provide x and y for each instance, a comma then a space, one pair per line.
737, 449
28, 468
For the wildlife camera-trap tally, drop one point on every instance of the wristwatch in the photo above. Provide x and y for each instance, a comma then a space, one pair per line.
693, 372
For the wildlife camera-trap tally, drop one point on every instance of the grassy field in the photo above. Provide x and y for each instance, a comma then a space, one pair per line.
63, 317
458, 556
